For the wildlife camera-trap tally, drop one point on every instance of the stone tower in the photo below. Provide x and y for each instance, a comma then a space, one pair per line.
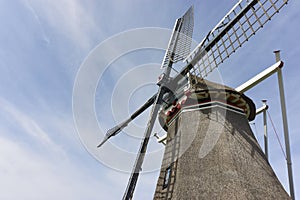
211, 152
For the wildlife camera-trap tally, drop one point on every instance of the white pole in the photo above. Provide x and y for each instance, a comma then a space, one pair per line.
285, 127
259, 77
265, 130
261, 109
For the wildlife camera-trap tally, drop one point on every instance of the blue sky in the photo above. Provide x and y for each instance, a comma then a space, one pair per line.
43, 45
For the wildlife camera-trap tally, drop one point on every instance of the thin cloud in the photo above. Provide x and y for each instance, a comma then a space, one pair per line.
45, 36
68, 17
26, 123
31, 175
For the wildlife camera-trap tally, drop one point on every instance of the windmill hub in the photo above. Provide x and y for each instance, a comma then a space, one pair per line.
162, 79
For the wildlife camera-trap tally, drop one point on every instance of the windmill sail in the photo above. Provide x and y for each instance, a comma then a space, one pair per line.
181, 39
238, 25
181, 26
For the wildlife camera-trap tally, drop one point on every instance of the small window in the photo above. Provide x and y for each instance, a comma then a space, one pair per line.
167, 177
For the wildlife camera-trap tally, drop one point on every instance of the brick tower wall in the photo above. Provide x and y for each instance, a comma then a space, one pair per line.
211, 153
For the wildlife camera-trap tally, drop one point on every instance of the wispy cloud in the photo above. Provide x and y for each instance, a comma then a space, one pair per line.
27, 124
70, 18
28, 175
46, 38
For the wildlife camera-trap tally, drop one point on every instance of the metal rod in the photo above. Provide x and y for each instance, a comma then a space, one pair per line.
115, 130
261, 109
265, 130
163, 89
161, 139
260, 77
285, 127
128, 195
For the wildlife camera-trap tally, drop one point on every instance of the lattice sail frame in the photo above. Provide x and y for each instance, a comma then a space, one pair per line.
240, 23
181, 39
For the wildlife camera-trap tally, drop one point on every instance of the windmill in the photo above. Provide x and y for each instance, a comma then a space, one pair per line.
241, 23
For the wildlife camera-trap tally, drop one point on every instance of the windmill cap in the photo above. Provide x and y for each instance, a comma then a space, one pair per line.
203, 92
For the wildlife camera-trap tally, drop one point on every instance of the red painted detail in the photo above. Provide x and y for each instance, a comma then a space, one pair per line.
183, 102
188, 93
168, 113
174, 102
173, 110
